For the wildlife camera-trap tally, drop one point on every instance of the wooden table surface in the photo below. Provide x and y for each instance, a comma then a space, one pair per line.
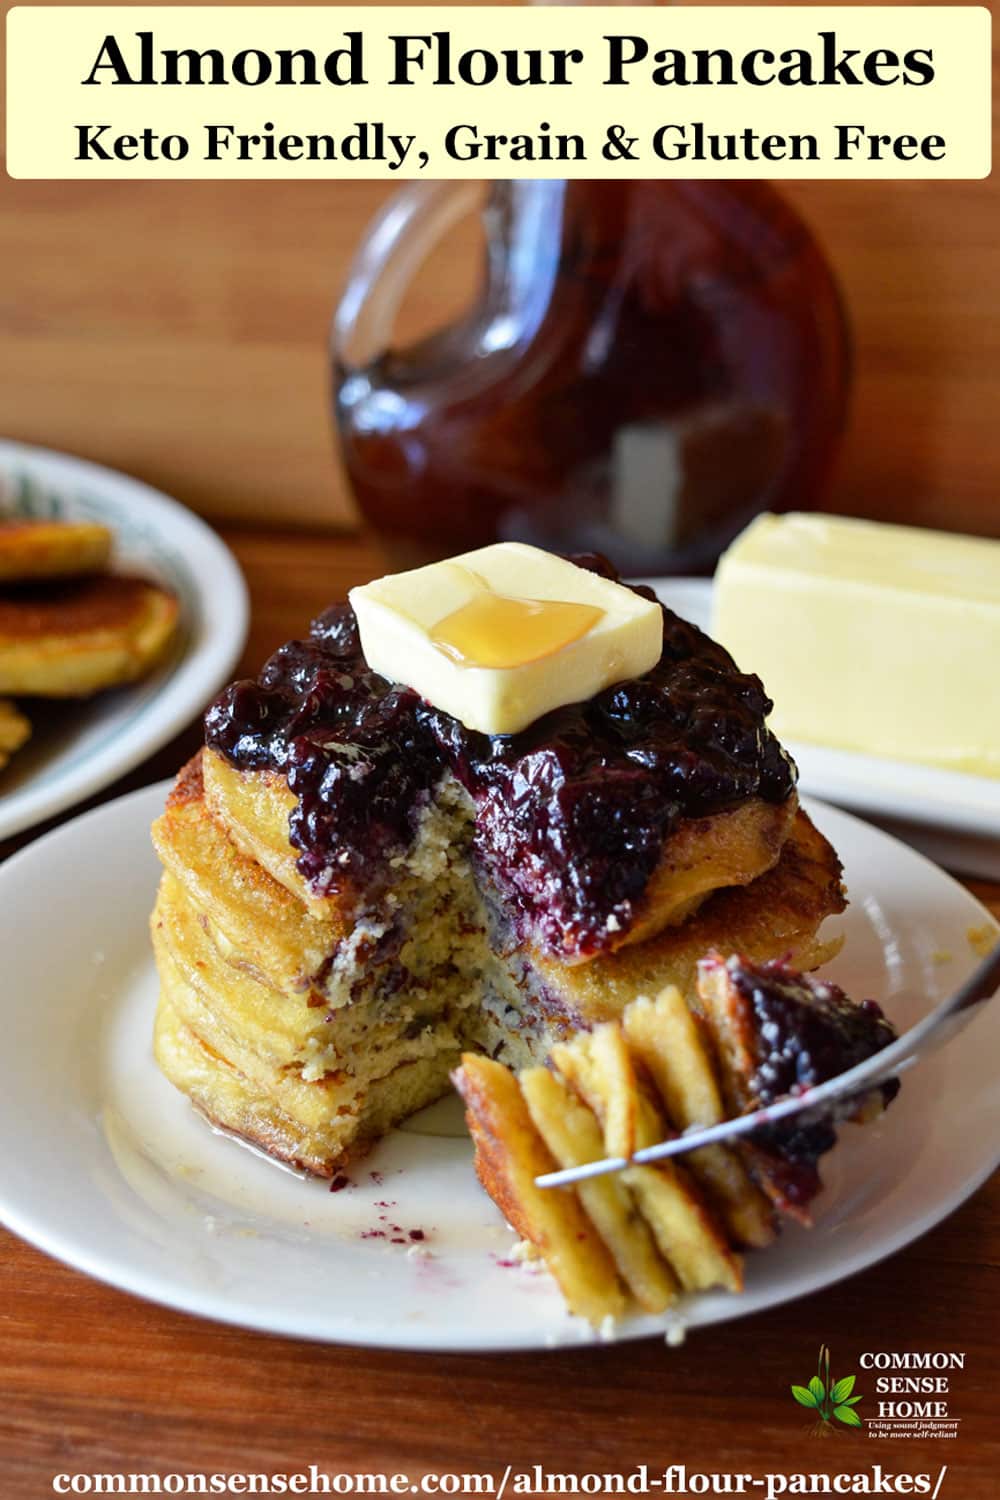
92, 1380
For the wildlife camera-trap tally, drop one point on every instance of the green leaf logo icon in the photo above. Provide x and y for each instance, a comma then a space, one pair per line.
831, 1400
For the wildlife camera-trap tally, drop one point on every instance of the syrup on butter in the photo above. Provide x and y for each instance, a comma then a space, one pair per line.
492, 630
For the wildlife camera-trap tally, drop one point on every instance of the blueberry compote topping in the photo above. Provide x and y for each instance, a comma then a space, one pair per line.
571, 813
806, 1032
350, 744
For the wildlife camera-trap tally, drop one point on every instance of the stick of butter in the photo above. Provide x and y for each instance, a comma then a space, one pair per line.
503, 635
881, 639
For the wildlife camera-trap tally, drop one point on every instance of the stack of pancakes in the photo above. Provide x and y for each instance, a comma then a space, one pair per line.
68, 627
309, 1025
362, 900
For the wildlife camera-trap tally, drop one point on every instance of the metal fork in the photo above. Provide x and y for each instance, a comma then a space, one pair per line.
820, 1102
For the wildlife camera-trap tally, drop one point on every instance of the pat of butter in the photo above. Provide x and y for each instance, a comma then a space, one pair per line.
876, 638
503, 635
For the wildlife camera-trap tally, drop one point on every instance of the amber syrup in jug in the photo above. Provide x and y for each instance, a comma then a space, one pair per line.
647, 366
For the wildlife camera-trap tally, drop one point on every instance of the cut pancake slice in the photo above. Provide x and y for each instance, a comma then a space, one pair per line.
665, 1038
15, 730
632, 1083
659, 1233
73, 638
601, 1070
510, 1154
573, 1136
52, 549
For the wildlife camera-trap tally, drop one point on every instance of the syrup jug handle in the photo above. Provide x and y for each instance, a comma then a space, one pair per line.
397, 242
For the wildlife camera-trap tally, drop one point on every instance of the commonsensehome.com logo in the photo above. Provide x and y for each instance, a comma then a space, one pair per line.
911, 1394
831, 1400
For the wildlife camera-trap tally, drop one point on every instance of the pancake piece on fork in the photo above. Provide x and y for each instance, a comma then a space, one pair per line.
763, 1030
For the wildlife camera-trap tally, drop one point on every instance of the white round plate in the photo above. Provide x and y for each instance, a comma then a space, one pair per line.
77, 748
108, 1168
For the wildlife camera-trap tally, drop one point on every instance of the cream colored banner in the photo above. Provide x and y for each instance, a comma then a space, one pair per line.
130, 92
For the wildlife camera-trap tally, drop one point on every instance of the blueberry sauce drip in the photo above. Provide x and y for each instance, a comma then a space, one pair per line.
807, 1031
571, 813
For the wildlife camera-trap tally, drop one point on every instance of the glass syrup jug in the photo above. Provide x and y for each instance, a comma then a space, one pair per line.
647, 365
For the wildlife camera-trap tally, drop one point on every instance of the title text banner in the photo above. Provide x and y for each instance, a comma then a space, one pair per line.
130, 92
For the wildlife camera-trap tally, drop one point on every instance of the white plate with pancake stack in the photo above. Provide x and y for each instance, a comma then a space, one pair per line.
108, 1168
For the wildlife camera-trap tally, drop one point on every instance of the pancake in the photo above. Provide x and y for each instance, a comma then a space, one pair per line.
30, 550
777, 916
779, 1032
275, 1119
271, 934
70, 639
14, 730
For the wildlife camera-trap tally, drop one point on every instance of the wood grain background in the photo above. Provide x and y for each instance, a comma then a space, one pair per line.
178, 331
